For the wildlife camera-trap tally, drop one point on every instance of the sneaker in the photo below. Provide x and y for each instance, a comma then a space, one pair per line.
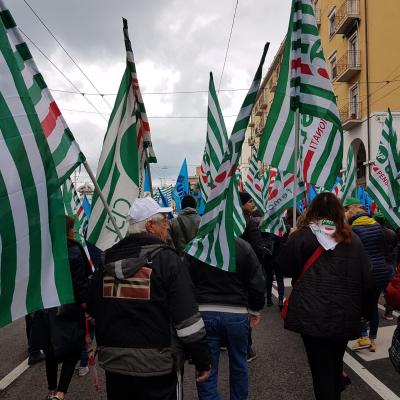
362, 343
251, 355
83, 371
373, 346
223, 348
36, 357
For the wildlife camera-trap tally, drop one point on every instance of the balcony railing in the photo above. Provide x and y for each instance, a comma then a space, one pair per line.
348, 66
350, 115
346, 14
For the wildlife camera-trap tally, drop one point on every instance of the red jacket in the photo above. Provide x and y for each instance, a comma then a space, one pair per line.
392, 294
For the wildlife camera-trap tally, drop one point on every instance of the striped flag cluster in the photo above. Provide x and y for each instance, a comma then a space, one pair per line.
120, 172
214, 243
65, 150
303, 83
74, 208
384, 184
280, 198
34, 267
253, 183
349, 185
166, 191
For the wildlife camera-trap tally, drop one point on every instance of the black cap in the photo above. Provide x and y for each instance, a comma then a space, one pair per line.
244, 197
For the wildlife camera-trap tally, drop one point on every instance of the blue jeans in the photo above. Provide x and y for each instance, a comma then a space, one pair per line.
232, 329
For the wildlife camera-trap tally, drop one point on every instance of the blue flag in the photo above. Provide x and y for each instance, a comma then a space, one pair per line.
164, 202
87, 208
201, 205
147, 187
311, 194
182, 186
364, 198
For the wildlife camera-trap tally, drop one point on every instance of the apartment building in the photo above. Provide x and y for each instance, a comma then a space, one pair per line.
360, 42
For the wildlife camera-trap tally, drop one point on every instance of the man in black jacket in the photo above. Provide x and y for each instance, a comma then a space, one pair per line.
227, 301
146, 312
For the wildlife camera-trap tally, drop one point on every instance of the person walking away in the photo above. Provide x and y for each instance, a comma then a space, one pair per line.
330, 297
253, 236
227, 302
373, 240
61, 330
184, 227
146, 312
390, 254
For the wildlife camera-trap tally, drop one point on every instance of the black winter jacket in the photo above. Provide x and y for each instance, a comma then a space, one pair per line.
243, 289
372, 237
146, 311
60, 331
252, 235
335, 292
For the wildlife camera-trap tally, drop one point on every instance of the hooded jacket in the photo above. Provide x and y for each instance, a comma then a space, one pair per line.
337, 290
372, 237
183, 228
145, 310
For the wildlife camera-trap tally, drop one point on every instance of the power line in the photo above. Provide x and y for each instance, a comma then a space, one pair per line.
229, 42
62, 73
149, 116
148, 93
66, 52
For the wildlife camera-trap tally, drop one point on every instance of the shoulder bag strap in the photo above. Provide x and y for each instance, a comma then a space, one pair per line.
313, 258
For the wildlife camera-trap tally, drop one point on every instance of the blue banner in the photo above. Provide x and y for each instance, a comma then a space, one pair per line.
181, 187
201, 205
87, 208
147, 187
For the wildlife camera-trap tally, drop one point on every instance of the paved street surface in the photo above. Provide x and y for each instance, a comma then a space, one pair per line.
279, 372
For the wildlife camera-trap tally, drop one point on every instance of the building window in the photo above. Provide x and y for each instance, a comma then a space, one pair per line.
333, 64
354, 102
332, 22
353, 51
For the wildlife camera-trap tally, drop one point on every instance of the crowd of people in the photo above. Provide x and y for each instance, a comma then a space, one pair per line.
154, 307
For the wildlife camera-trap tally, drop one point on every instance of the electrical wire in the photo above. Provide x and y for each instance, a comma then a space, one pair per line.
229, 42
62, 73
66, 52
149, 93
149, 116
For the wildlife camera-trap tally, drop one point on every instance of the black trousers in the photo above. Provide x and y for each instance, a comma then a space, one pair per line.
165, 387
67, 371
326, 363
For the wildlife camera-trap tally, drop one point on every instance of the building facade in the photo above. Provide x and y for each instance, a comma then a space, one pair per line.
360, 41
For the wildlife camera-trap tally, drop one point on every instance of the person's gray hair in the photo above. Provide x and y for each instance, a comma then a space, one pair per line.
140, 227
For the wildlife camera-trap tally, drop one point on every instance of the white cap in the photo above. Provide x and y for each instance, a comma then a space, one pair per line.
143, 208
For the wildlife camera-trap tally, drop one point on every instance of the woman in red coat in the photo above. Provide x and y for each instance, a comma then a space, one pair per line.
392, 293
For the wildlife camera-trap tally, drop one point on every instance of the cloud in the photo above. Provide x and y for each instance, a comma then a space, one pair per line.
176, 44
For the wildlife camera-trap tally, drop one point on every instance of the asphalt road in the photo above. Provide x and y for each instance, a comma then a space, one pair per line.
279, 372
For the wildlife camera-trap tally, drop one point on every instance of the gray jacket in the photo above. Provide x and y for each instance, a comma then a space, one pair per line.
184, 228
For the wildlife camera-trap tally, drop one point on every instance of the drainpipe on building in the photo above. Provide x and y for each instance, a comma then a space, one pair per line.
368, 100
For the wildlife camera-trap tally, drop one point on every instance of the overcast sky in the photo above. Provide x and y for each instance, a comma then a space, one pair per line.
176, 43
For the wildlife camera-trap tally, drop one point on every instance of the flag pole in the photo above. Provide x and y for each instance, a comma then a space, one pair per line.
103, 199
295, 161
146, 150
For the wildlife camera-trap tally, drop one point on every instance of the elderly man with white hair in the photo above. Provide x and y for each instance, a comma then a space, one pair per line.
146, 313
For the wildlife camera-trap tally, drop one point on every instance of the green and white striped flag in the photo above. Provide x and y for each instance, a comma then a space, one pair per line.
280, 198
120, 173
34, 269
216, 141
303, 78
254, 184
349, 186
73, 207
214, 243
384, 185
65, 150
